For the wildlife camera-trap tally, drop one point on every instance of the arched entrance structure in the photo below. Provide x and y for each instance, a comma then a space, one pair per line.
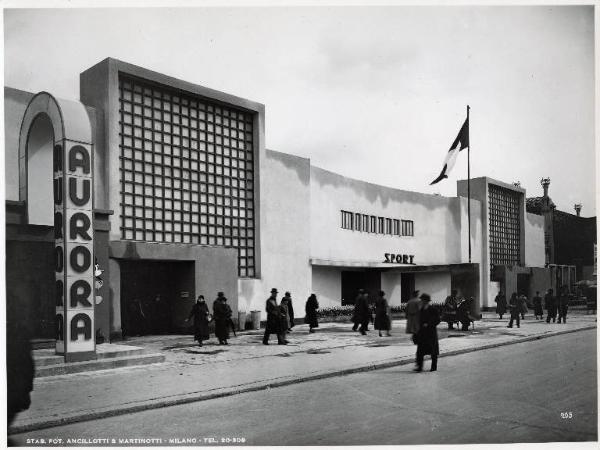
63, 128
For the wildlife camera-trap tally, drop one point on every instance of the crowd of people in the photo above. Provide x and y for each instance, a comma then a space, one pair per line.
280, 318
517, 306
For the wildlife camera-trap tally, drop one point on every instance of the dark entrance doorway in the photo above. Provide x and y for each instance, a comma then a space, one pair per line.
523, 284
352, 281
155, 296
407, 286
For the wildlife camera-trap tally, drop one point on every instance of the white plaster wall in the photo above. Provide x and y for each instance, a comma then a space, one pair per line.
327, 286
285, 235
437, 222
436, 284
390, 284
534, 241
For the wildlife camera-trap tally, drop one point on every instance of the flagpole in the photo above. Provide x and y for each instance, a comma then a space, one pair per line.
469, 181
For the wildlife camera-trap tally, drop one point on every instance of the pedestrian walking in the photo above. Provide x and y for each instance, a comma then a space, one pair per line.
537, 306
563, 305
383, 315
222, 315
287, 301
413, 308
523, 305
500, 304
463, 313
427, 338
311, 313
550, 304
201, 316
450, 307
515, 312
273, 319
355, 315
363, 313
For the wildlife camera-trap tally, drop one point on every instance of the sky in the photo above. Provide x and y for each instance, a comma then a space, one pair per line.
376, 93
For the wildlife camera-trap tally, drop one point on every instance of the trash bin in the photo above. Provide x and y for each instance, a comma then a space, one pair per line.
255, 316
241, 320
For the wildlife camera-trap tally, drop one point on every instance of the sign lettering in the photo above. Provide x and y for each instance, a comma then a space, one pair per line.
73, 234
396, 258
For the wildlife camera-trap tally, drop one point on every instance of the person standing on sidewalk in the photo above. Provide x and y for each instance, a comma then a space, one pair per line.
311, 317
200, 315
515, 312
287, 301
273, 319
563, 305
363, 313
427, 338
537, 306
222, 314
500, 304
413, 308
383, 314
550, 304
450, 306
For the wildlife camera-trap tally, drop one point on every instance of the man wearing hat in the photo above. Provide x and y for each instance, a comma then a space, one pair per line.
427, 338
273, 319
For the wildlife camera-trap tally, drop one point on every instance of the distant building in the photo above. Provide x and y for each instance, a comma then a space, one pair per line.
569, 238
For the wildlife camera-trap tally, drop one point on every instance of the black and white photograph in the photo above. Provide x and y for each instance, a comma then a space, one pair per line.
249, 224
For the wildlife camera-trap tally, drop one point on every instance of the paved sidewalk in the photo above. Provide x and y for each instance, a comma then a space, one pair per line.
191, 373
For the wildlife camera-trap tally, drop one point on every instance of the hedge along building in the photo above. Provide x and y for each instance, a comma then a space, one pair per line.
187, 201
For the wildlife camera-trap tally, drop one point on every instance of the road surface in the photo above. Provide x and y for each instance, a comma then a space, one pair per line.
538, 391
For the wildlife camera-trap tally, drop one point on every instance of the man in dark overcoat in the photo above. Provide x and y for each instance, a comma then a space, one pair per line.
563, 305
514, 306
550, 304
273, 319
362, 312
500, 304
222, 315
427, 338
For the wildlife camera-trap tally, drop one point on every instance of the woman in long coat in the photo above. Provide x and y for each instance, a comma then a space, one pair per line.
500, 304
222, 315
311, 313
383, 314
200, 315
427, 338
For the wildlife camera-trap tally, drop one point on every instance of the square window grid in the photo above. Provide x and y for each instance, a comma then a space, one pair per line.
504, 227
187, 168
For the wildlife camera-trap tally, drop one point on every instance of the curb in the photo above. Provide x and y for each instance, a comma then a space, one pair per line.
182, 399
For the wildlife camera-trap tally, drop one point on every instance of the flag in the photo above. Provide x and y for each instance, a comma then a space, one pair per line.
461, 141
